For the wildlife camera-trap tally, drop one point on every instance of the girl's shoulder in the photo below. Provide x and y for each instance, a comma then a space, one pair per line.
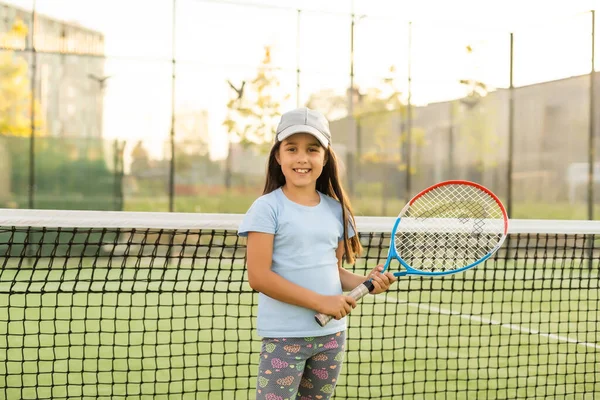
270, 201
269, 198
333, 204
262, 216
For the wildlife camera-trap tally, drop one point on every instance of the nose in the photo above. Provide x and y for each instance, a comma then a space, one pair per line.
302, 156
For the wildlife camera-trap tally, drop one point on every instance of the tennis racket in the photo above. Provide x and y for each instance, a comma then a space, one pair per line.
447, 228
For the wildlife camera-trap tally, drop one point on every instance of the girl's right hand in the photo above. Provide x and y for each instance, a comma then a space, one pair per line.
337, 306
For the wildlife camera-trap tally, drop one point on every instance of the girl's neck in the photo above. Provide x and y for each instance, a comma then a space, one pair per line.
305, 196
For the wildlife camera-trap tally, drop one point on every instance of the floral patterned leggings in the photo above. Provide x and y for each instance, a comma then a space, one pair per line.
300, 368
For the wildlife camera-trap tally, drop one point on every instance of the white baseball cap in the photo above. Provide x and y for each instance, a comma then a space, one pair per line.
304, 120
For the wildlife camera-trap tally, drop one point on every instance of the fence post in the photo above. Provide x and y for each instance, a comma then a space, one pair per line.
511, 130
172, 134
591, 141
32, 115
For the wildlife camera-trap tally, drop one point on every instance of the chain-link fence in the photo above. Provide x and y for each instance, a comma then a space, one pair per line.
172, 108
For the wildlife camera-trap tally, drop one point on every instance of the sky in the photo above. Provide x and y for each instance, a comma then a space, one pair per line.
217, 41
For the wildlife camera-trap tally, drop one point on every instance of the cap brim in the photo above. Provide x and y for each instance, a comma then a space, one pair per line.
291, 130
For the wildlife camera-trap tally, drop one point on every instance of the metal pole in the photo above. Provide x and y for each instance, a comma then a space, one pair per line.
118, 179
511, 130
172, 135
115, 174
31, 191
451, 142
351, 96
591, 142
350, 152
408, 143
298, 17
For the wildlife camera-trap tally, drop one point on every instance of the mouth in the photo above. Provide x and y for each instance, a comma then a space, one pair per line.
302, 170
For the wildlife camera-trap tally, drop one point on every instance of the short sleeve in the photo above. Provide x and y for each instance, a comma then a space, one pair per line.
259, 218
351, 232
350, 229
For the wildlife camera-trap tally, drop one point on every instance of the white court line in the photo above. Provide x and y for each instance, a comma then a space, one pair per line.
487, 321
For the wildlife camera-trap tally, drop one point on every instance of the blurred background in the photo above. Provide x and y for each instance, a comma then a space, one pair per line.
170, 105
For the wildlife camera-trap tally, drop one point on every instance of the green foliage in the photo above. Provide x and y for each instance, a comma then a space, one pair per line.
476, 129
381, 115
476, 121
140, 161
69, 174
384, 115
15, 90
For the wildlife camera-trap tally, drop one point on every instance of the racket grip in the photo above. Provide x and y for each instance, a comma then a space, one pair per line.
357, 293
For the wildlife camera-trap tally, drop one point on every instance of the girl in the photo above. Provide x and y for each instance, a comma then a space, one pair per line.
298, 233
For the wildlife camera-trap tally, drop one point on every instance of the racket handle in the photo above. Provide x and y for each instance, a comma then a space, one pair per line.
357, 293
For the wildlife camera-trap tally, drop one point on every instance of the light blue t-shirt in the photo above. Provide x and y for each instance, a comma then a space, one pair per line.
304, 246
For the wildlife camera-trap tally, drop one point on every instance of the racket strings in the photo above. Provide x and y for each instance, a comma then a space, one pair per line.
440, 252
454, 201
449, 228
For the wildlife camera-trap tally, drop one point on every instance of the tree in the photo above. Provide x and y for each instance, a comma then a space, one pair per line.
332, 105
253, 111
140, 161
15, 89
380, 115
15, 112
375, 111
70, 173
370, 101
476, 122
475, 89
387, 107
392, 141
191, 149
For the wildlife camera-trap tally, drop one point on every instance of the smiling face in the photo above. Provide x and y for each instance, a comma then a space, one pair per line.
302, 158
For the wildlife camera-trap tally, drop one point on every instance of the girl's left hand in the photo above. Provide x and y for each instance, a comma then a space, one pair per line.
381, 281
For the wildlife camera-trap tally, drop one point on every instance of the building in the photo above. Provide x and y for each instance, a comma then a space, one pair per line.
68, 70
452, 140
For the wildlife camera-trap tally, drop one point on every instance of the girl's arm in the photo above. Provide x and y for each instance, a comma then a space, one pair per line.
351, 280
262, 279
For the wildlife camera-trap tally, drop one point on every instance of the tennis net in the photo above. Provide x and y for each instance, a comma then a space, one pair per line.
99, 305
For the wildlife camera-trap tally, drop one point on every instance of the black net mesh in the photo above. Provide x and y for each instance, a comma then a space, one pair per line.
156, 313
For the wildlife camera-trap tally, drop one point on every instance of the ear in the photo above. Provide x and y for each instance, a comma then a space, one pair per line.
326, 157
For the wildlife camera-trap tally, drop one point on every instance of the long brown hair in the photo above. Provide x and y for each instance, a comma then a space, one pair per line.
328, 183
